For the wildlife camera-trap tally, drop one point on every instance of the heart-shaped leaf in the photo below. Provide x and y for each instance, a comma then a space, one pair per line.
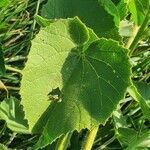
85, 78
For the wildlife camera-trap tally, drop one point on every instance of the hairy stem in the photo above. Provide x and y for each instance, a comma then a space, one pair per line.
107, 143
3, 87
88, 143
36, 13
130, 40
16, 58
12, 88
63, 141
11, 138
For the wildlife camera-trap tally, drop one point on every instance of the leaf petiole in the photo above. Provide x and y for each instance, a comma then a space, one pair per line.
88, 143
63, 141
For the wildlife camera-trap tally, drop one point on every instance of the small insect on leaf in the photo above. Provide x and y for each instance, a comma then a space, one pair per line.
55, 95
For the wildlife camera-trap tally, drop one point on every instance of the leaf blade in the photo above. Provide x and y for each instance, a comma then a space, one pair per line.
90, 12
82, 105
11, 111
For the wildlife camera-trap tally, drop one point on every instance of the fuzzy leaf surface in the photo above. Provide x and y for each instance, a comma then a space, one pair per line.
62, 55
111, 9
96, 14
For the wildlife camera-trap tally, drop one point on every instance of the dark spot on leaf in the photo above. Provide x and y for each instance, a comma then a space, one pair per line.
55, 95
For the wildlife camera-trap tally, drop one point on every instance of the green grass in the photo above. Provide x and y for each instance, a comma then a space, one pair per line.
17, 28
15, 37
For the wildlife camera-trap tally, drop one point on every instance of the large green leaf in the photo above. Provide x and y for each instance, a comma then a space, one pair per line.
11, 111
91, 12
138, 9
2, 65
92, 79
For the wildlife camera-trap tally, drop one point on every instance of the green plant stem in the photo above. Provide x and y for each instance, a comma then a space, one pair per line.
12, 88
3, 129
139, 33
11, 138
34, 21
2, 86
13, 69
88, 143
107, 143
63, 142
134, 33
26, 142
16, 58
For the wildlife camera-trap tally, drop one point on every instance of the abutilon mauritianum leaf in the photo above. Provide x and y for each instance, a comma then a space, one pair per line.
92, 75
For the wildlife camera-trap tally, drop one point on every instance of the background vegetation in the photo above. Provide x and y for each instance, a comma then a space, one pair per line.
127, 128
